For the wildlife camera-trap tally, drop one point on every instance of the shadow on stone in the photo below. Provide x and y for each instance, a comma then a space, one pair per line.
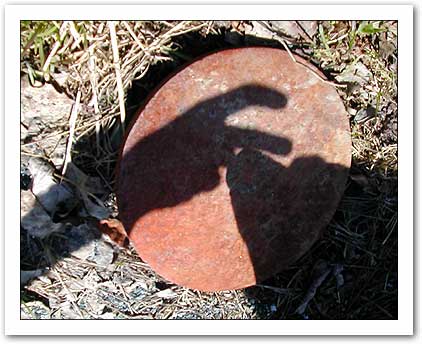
279, 211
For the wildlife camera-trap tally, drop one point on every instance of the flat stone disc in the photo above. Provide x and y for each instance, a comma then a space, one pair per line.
233, 168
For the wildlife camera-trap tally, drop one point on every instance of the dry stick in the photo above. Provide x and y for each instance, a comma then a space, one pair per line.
157, 43
69, 293
307, 67
275, 289
394, 218
299, 25
282, 41
76, 36
72, 122
29, 43
136, 39
33, 155
209, 27
66, 132
113, 37
143, 72
170, 34
65, 46
56, 46
93, 79
178, 26
316, 283
73, 31
54, 148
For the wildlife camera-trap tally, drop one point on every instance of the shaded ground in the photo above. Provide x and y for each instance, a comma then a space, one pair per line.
351, 273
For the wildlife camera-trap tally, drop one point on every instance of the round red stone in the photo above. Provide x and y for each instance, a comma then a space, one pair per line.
233, 168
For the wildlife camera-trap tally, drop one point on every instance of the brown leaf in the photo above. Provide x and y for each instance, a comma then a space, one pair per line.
115, 230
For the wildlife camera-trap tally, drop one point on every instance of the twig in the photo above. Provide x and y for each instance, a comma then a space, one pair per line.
111, 115
393, 227
78, 186
321, 78
73, 298
277, 38
209, 27
316, 283
121, 93
33, 155
275, 289
56, 47
135, 38
280, 40
72, 122
93, 80
308, 37
76, 36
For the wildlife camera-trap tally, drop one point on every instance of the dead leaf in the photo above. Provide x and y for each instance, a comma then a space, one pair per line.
115, 230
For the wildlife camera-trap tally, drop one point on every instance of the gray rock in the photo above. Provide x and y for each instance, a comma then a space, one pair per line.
309, 26
356, 73
86, 243
138, 292
102, 253
43, 110
66, 311
365, 114
258, 31
27, 275
34, 219
52, 196
287, 27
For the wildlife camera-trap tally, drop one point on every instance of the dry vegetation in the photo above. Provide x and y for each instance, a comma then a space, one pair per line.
105, 70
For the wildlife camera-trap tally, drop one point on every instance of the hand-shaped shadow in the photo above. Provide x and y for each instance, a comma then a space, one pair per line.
279, 210
182, 158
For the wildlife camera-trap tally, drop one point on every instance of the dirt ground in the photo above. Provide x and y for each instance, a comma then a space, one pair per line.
82, 82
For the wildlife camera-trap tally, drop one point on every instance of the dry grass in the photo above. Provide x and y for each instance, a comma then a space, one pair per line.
101, 65
107, 62
129, 289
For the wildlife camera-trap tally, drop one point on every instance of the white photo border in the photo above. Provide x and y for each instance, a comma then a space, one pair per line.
14, 13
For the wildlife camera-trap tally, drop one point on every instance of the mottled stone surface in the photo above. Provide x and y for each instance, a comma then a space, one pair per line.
233, 168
